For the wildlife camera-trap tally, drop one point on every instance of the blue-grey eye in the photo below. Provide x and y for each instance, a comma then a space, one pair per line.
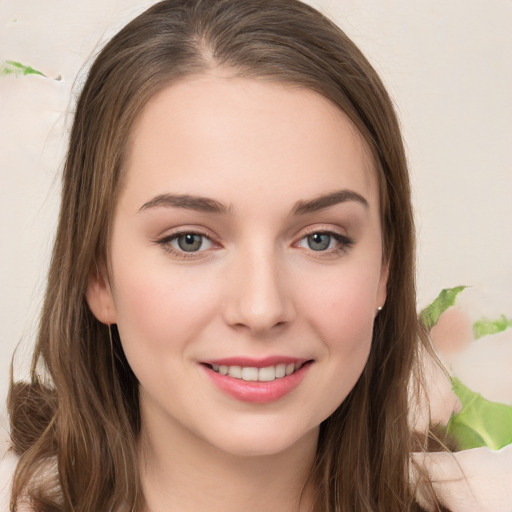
319, 241
189, 242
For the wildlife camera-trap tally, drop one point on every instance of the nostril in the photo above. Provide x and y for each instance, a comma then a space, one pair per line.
258, 305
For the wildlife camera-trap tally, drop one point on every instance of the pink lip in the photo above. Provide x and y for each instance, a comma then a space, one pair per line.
256, 392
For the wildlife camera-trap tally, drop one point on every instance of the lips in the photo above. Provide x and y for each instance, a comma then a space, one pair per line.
257, 381
255, 374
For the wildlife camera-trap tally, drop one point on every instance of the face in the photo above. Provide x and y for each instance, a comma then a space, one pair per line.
245, 262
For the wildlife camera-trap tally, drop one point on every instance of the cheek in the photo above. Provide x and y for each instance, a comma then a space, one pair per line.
343, 307
159, 309
346, 330
342, 315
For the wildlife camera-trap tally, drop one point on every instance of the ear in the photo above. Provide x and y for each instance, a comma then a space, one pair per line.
99, 296
382, 287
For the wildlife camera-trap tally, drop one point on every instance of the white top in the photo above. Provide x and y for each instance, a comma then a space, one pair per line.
477, 480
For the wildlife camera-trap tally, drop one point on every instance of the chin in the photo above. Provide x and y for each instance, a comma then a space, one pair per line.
264, 442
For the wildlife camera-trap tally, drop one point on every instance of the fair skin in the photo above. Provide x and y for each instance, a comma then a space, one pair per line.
261, 275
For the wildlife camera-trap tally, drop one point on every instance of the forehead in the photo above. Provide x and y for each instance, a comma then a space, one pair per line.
214, 134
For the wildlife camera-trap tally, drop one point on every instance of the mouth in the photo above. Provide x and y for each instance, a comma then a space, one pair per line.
257, 382
257, 374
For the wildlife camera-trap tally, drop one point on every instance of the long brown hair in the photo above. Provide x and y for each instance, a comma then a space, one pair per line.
80, 413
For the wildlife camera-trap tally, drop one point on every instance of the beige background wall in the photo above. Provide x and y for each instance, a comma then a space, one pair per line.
447, 64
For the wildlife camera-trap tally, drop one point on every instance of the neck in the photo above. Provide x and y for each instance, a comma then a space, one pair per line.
184, 473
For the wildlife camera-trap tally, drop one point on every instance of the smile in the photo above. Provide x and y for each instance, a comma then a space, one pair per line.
257, 381
253, 374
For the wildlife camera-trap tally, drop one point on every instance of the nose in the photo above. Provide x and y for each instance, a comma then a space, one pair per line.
258, 296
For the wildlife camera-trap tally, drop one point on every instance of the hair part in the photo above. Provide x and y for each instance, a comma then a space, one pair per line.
85, 417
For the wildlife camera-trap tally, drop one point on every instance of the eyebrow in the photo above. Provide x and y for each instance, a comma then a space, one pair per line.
328, 200
202, 204
208, 205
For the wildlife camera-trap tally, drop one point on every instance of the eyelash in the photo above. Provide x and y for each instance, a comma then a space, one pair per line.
344, 243
165, 242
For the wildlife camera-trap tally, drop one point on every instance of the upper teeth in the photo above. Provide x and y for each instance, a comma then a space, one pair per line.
249, 373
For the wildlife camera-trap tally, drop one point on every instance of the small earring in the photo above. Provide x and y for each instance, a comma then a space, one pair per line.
379, 309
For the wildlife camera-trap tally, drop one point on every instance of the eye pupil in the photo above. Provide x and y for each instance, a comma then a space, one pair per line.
190, 242
319, 241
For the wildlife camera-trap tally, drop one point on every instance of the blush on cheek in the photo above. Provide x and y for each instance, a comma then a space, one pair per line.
348, 306
159, 305
345, 321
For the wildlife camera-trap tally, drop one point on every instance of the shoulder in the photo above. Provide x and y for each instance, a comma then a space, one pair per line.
8, 464
476, 480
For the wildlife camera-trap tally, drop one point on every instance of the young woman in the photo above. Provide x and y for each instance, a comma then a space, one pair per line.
230, 318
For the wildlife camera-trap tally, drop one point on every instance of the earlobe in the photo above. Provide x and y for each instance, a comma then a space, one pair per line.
99, 296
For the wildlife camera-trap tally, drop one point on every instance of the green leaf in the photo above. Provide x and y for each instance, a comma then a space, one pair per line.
480, 422
484, 326
430, 315
11, 67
